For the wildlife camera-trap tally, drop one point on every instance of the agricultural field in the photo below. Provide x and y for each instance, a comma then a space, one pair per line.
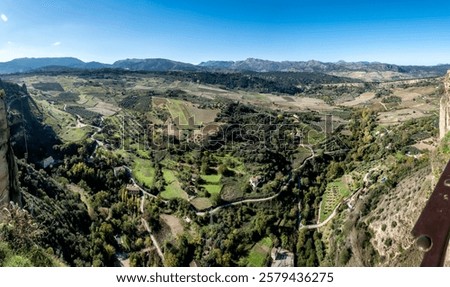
188, 114
143, 171
212, 183
336, 191
172, 188
260, 253
201, 203
75, 134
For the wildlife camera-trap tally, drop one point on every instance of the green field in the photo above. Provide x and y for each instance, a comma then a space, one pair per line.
259, 253
212, 185
143, 171
213, 188
211, 178
173, 189
75, 134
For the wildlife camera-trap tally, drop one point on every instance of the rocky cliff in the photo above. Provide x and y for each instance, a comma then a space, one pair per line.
9, 189
444, 114
30, 138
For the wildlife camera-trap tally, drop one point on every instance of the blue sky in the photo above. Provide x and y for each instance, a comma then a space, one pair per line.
399, 32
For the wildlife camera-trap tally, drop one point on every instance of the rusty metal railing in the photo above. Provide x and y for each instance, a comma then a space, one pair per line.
433, 226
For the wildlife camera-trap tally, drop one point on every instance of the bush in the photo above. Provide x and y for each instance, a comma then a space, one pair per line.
344, 256
391, 99
18, 261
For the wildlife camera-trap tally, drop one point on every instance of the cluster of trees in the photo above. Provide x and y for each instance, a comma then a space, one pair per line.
244, 81
330, 93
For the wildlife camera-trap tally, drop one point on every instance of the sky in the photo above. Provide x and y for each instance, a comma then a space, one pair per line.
397, 32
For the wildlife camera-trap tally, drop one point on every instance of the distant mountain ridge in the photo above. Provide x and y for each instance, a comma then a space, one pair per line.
313, 66
251, 64
22, 65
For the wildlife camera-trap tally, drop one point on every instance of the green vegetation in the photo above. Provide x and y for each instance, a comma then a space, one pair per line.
19, 242
172, 189
212, 185
201, 203
212, 188
143, 171
260, 253
445, 143
178, 110
391, 99
211, 178
74, 134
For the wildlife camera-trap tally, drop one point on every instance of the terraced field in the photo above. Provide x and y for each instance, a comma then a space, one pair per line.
335, 192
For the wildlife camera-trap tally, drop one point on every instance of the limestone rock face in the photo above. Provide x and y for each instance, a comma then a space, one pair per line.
9, 189
444, 113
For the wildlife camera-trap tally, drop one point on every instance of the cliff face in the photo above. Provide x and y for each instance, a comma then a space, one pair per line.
444, 114
9, 189
29, 136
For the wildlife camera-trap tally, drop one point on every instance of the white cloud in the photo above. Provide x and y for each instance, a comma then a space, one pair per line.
56, 44
4, 18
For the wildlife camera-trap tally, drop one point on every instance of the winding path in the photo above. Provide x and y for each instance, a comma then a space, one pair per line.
215, 210
313, 155
318, 225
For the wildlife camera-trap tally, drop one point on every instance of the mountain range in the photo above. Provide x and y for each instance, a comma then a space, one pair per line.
22, 65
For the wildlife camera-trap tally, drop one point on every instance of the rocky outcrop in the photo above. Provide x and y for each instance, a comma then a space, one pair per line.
30, 138
444, 113
9, 189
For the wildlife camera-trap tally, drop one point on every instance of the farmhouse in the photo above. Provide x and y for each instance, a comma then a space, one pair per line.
255, 181
133, 189
47, 162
